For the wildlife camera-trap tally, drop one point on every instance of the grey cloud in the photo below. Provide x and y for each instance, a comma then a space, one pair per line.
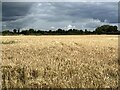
99, 11
45, 15
14, 10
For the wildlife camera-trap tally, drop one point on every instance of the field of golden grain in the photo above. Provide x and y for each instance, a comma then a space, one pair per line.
86, 61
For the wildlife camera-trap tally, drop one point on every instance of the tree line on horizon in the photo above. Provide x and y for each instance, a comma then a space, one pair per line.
104, 29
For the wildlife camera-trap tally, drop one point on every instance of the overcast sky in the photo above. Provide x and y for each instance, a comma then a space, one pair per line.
54, 15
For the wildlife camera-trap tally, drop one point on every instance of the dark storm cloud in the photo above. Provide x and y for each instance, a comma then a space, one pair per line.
102, 11
14, 10
59, 14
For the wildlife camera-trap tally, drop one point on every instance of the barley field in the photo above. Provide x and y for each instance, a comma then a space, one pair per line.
86, 61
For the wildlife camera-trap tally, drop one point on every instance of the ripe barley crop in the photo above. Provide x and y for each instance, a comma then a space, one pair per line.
86, 61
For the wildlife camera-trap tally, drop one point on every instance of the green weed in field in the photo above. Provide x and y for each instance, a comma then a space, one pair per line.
8, 42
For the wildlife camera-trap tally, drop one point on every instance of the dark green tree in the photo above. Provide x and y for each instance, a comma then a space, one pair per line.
104, 29
14, 31
86, 31
19, 31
